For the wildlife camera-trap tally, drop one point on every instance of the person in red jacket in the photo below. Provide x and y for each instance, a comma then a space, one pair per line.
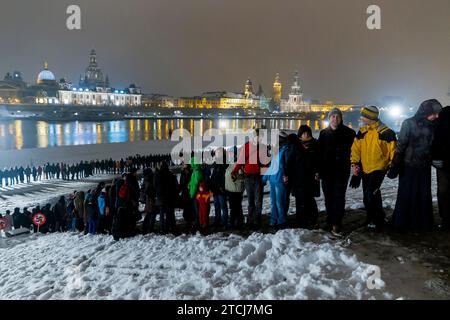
203, 197
252, 159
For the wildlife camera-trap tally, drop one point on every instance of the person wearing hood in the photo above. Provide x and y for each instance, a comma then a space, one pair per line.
372, 154
412, 161
275, 175
335, 143
302, 172
196, 178
101, 203
203, 197
441, 161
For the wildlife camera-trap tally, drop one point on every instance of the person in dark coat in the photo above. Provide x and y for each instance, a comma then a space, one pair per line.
186, 201
16, 218
166, 187
302, 173
441, 161
217, 183
60, 211
148, 197
414, 207
335, 143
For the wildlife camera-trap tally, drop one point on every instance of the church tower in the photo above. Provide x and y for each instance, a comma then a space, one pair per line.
248, 89
277, 90
296, 95
93, 76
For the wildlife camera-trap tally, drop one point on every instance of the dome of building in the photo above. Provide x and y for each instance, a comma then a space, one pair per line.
45, 75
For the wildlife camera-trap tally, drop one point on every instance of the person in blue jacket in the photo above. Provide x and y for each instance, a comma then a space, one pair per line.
275, 175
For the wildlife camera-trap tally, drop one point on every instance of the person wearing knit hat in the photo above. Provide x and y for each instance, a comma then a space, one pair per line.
370, 112
372, 154
335, 111
302, 176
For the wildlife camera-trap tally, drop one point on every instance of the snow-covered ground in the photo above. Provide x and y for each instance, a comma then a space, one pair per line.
291, 264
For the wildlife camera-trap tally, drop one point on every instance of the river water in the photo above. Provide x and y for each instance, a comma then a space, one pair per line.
27, 134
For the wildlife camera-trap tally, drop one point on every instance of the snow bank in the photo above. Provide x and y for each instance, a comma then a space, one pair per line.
75, 154
292, 264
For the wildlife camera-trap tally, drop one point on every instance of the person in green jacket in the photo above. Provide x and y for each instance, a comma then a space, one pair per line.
196, 178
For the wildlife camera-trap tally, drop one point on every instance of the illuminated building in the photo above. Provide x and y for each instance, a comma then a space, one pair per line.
159, 100
330, 105
11, 88
94, 90
277, 89
108, 97
295, 102
224, 99
248, 89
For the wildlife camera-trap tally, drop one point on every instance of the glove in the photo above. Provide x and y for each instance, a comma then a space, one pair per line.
438, 164
393, 172
355, 181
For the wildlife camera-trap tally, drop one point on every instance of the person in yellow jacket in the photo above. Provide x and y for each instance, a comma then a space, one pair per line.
372, 154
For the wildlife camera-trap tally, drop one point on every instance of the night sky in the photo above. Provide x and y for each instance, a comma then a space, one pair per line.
186, 47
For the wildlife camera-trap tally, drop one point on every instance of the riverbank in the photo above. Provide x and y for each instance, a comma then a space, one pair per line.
110, 113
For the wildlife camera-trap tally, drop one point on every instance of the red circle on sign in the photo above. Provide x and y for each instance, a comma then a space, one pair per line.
2, 223
39, 219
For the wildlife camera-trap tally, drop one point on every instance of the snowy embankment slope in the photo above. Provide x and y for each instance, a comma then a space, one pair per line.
291, 264
75, 154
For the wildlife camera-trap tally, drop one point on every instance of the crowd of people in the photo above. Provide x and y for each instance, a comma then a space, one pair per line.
302, 165
83, 169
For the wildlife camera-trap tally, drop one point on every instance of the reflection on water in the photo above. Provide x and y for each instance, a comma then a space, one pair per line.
23, 134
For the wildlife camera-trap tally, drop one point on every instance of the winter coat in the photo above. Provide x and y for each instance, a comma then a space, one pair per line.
249, 158
440, 149
133, 189
196, 178
277, 169
302, 166
217, 180
79, 205
185, 177
234, 186
334, 152
374, 147
60, 211
415, 140
166, 188
203, 199
101, 201
91, 211
9, 222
